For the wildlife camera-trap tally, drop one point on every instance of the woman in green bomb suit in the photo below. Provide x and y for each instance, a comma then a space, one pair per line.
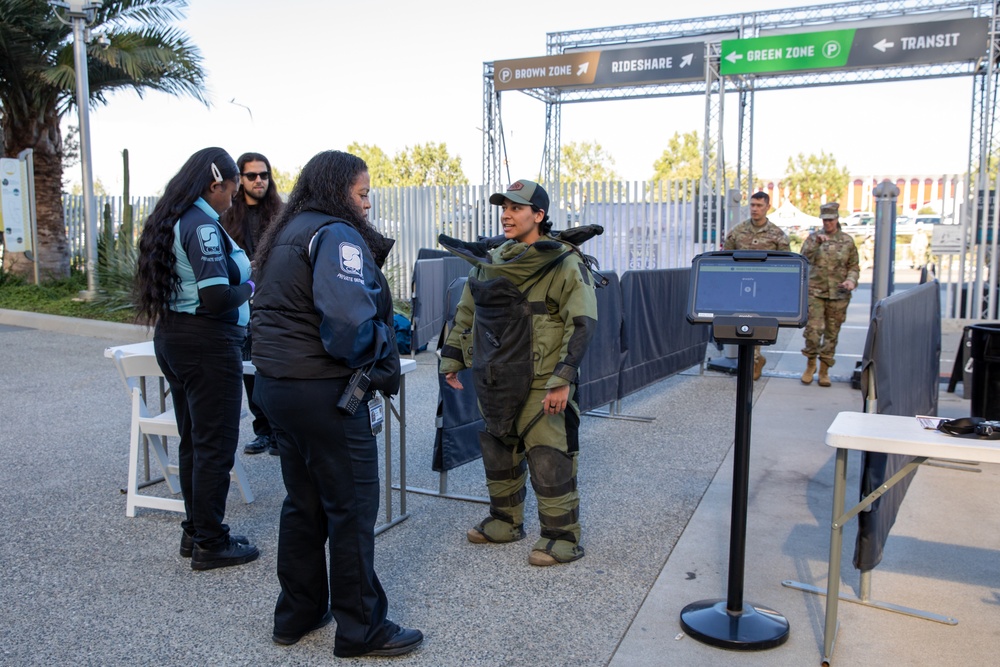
523, 325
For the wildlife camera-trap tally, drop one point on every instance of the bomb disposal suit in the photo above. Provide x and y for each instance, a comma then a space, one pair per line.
523, 324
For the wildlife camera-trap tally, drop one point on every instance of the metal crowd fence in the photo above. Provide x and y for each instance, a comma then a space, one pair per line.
109, 207
648, 225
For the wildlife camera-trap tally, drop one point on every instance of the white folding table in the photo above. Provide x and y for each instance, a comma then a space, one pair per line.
406, 366
888, 434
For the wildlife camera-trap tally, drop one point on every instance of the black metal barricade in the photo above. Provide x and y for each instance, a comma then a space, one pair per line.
657, 340
901, 363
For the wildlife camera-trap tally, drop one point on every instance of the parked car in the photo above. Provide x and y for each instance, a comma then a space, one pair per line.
858, 218
927, 219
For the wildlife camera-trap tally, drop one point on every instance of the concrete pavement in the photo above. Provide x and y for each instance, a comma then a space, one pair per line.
941, 556
87, 586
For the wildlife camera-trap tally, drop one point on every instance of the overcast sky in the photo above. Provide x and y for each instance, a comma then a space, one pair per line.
293, 78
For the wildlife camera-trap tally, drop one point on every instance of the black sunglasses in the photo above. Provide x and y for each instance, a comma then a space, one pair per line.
252, 175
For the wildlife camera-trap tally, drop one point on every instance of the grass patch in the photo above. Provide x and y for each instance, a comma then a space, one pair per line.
58, 297
62, 297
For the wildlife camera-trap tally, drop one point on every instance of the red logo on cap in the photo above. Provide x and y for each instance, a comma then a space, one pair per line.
515, 186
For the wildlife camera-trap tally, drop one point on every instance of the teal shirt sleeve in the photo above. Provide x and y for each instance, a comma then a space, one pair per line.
207, 256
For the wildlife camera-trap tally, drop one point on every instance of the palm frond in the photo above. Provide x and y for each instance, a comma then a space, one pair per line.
145, 53
141, 12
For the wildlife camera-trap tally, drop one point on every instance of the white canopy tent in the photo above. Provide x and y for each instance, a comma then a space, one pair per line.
787, 216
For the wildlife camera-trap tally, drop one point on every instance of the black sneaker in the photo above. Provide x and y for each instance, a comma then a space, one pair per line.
233, 553
187, 543
258, 444
404, 641
288, 640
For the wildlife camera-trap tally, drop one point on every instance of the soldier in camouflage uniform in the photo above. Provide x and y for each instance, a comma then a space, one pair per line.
833, 275
757, 233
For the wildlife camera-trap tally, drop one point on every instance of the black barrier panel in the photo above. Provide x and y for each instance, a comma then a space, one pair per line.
603, 360
456, 441
657, 339
431, 253
984, 349
431, 278
903, 350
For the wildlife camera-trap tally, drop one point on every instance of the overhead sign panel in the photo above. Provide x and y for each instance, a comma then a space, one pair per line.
603, 69
958, 40
929, 43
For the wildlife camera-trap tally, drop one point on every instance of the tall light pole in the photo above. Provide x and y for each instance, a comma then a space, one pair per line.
81, 14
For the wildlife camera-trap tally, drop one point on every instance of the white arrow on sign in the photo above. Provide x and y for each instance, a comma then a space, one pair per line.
882, 45
582, 69
687, 60
733, 57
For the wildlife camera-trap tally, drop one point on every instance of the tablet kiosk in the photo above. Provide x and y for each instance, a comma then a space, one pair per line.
749, 284
746, 296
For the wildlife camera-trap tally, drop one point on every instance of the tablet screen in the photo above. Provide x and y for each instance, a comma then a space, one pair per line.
754, 284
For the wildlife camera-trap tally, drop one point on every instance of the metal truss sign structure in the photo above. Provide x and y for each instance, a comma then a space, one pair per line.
930, 43
856, 41
859, 41
909, 16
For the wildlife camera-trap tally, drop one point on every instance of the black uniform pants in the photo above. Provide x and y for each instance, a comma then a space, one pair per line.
330, 466
260, 423
202, 363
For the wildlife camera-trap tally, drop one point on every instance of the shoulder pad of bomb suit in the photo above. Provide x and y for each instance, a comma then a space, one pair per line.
577, 235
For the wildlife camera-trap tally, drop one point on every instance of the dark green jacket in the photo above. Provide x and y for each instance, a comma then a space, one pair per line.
561, 330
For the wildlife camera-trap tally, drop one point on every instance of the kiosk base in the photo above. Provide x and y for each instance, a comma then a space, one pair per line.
753, 629
722, 365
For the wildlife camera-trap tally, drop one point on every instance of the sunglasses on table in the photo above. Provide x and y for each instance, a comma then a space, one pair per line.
253, 175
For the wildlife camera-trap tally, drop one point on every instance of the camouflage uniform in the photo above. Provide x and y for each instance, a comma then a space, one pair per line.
830, 263
747, 236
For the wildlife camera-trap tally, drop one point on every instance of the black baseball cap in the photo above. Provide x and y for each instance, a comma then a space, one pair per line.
523, 192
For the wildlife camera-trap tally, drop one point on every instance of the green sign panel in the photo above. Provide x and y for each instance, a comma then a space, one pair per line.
784, 53
928, 42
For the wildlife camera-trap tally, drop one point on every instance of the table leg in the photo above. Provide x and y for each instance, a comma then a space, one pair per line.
387, 429
145, 438
400, 415
402, 445
836, 550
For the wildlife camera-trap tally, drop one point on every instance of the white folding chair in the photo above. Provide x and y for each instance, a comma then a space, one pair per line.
154, 429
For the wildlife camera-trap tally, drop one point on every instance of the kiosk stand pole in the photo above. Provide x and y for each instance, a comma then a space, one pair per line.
741, 479
731, 623
746, 296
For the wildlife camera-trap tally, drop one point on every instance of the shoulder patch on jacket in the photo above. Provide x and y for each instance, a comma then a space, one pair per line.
210, 241
351, 259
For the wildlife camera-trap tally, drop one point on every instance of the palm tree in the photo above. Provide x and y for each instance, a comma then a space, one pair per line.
38, 86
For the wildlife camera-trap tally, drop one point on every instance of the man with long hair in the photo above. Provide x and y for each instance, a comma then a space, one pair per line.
255, 205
